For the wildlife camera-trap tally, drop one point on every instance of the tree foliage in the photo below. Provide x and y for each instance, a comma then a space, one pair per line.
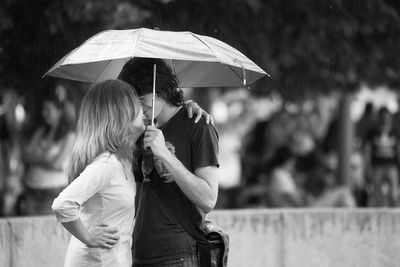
307, 46
325, 45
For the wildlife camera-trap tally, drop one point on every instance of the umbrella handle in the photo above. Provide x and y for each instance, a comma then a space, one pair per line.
154, 94
153, 100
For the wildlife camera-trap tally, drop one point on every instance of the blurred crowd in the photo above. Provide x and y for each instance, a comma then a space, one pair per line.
291, 160
287, 159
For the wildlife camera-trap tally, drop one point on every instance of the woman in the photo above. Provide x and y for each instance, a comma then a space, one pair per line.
382, 157
97, 208
46, 156
283, 191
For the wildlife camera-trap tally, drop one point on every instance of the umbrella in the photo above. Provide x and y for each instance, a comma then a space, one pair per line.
197, 60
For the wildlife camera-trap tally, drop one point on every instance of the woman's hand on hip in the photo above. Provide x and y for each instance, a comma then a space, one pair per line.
103, 236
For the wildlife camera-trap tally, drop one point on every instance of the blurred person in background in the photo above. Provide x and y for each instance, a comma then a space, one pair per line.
382, 154
11, 119
4, 142
301, 143
358, 182
261, 142
46, 155
283, 189
254, 143
396, 118
365, 123
362, 129
320, 182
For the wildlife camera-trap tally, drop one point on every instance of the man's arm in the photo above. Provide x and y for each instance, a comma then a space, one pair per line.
200, 187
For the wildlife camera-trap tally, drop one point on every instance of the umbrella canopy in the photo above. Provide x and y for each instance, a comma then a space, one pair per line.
197, 60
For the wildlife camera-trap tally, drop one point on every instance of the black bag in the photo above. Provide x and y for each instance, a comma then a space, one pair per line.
218, 241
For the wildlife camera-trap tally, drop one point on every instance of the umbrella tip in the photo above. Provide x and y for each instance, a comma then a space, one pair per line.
44, 74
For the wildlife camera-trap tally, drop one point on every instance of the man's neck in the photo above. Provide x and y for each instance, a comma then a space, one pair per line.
166, 114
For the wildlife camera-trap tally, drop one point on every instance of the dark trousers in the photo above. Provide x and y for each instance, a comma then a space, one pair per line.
187, 261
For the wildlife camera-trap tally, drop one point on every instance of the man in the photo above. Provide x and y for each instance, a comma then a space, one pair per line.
178, 182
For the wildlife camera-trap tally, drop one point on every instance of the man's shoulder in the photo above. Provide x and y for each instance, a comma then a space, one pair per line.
202, 128
185, 122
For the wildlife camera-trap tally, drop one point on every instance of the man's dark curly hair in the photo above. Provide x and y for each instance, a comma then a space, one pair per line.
138, 72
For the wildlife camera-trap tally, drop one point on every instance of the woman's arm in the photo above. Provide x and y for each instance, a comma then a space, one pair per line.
194, 108
53, 162
31, 149
93, 180
57, 161
98, 236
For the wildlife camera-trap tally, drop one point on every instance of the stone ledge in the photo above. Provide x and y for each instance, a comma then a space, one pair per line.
281, 237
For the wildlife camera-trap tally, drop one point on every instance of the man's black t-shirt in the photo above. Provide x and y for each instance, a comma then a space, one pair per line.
157, 235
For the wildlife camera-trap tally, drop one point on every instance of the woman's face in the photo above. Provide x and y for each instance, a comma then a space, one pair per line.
51, 113
138, 123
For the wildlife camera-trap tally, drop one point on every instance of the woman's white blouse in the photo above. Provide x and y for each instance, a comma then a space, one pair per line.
103, 194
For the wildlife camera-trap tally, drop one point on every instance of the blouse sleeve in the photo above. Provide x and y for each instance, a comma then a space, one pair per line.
92, 180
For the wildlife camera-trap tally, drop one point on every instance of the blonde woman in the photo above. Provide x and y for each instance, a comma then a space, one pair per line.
97, 207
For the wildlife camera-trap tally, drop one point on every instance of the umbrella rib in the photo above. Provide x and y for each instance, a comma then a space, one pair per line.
136, 41
173, 66
66, 56
215, 55
102, 71
233, 70
238, 75
61, 60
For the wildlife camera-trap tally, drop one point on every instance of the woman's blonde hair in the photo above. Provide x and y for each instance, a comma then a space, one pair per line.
105, 124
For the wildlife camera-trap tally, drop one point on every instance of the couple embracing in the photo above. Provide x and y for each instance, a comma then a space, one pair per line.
138, 195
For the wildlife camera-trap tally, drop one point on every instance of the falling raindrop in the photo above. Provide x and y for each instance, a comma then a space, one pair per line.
20, 113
